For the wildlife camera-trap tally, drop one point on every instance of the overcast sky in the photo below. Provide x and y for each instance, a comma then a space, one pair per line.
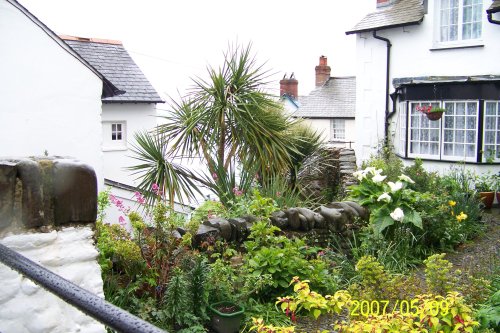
174, 40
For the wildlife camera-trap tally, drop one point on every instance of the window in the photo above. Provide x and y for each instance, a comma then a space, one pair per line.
460, 20
452, 138
491, 141
338, 129
424, 135
401, 129
114, 135
460, 131
116, 132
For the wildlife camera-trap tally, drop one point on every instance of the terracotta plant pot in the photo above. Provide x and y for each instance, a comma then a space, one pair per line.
226, 317
434, 115
487, 199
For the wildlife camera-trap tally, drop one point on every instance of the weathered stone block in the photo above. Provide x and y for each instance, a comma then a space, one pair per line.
75, 192
7, 193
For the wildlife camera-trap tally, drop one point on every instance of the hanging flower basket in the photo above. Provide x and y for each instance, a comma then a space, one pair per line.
430, 112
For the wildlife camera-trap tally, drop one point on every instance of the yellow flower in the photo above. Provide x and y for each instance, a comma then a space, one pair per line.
461, 217
452, 203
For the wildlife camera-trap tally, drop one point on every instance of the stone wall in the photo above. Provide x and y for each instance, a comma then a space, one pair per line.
47, 210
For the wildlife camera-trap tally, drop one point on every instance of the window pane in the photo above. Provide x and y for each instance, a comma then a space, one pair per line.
467, 15
448, 136
434, 135
471, 123
448, 149
490, 123
460, 122
471, 137
489, 137
490, 108
459, 150
470, 151
459, 136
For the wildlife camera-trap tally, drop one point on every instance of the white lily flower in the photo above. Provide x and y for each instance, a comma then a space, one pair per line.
397, 214
378, 178
407, 179
395, 186
370, 170
359, 175
384, 197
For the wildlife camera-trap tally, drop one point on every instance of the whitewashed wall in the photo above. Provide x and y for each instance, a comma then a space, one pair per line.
49, 100
411, 56
138, 117
26, 307
324, 126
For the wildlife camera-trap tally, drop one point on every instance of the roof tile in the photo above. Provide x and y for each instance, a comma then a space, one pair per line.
403, 12
114, 62
335, 99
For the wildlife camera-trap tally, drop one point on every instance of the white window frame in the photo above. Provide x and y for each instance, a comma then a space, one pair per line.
422, 118
109, 128
440, 156
496, 129
460, 41
475, 129
338, 129
401, 129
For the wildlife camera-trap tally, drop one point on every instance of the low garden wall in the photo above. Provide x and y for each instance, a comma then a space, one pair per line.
47, 210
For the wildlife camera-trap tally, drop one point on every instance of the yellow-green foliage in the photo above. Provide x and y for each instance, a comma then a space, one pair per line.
373, 278
259, 326
453, 316
115, 245
438, 274
424, 313
311, 302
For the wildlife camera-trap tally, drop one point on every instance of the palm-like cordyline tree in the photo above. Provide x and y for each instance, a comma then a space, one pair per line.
229, 122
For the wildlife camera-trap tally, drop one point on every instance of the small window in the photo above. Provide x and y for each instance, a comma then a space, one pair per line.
116, 132
460, 20
338, 129
114, 135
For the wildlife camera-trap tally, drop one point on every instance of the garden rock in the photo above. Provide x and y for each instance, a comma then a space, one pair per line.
362, 211
319, 221
279, 219
223, 225
348, 210
239, 229
205, 233
333, 217
293, 218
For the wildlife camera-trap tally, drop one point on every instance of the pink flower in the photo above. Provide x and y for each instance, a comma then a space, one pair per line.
139, 197
156, 189
112, 198
237, 191
278, 194
214, 176
121, 220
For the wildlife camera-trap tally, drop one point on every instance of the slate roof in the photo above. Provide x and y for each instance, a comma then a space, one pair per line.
111, 59
401, 13
495, 7
335, 99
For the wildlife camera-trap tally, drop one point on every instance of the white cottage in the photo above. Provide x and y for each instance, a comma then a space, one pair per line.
412, 54
50, 97
329, 108
123, 115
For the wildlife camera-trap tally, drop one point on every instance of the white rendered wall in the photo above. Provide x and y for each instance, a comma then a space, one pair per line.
138, 117
324, 126
26, 307
411, 56
49, 100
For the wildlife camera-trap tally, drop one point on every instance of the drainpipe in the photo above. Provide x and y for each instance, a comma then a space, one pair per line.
387, 114
491, 20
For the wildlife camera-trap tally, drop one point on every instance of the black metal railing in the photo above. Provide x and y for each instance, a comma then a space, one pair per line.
92, 305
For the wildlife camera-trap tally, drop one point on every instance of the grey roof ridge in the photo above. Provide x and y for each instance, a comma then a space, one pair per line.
390, 26
109, 88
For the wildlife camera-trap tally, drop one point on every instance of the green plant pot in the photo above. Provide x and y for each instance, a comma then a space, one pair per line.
226, 317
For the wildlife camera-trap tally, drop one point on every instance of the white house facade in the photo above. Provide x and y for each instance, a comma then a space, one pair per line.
50, 98
330, 107
414, 54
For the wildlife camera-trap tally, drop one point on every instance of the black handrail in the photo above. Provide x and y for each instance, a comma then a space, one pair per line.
93, 305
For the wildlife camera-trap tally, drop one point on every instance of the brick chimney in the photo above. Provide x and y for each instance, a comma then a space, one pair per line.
289, 86
322, 71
